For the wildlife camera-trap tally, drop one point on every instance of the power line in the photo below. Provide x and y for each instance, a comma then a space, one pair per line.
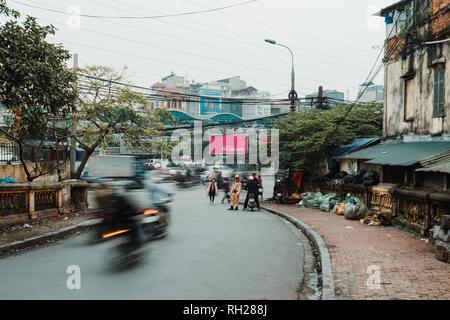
232, 39
229, 123
137, 17
84, 85
282, 29
192, 54
366, 85
163, 61
207, 57
239, 34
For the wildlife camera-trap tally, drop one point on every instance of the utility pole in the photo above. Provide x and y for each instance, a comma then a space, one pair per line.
292, 94
320, 98
73, 152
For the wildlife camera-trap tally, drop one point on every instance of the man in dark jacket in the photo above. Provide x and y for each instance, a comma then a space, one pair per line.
252, 187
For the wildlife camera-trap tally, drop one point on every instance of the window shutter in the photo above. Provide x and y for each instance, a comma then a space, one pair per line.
439, 91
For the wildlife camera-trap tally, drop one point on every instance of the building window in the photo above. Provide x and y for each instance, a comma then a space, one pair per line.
439, 91
409, 100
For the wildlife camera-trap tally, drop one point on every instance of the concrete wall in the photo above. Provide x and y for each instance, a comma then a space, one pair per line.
421, 121
16, 172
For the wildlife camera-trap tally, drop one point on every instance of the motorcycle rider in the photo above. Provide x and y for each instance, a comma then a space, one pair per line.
252, 187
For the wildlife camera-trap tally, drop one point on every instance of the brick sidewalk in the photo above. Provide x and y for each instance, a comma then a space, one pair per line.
407, 264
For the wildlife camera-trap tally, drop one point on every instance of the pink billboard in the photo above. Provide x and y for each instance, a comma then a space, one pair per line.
226, 144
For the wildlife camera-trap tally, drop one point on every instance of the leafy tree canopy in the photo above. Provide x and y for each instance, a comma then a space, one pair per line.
307, 138
105, 109
34, 79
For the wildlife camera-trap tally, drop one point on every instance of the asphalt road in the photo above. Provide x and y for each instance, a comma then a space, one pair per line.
210, 253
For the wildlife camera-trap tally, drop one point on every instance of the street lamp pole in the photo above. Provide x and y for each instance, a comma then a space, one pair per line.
292, 93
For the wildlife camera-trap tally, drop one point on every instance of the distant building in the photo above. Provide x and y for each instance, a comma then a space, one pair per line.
334, 98
373, 93
229, 95
280, 108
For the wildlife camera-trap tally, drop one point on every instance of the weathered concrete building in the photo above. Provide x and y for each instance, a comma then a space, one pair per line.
413, 160
416, 126
417, 56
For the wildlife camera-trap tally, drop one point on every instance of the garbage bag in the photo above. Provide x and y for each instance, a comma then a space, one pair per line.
339, 209
333, 203
348, 179
340, 175
358, 178
7, 180
311, 199
325, 202
371, 178
355, 209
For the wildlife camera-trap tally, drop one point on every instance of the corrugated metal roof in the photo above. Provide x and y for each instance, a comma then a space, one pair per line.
354, 146
436, 163
441, 167
399, 154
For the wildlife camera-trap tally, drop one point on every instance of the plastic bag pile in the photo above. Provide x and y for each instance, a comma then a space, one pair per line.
352, 208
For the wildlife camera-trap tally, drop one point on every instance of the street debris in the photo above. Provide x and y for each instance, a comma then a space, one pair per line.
355, 209
441, 234
351, 208
26, 225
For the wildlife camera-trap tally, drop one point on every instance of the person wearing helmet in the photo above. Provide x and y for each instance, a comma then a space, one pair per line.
278, 188
252, 187
235, 193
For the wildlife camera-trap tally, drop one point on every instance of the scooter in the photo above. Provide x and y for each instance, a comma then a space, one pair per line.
251, 201
279, 198
132, 213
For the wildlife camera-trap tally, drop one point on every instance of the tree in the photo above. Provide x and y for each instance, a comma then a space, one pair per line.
307, 138
35, 83
105, 108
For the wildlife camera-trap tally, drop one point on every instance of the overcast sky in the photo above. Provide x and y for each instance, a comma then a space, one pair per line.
335, 43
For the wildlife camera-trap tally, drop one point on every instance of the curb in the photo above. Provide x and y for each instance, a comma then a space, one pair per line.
325, 259
42, 239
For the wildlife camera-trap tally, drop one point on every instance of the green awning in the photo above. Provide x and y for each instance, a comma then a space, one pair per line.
399, 153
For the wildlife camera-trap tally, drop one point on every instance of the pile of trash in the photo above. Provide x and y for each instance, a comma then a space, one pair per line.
370, 178
7, 180
319, 201
351, 207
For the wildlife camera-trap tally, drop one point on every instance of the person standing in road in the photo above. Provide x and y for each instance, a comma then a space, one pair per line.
212, 190
260, 187
226, 189
235, 192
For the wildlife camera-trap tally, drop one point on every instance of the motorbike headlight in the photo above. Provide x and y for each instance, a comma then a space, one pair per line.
150, 212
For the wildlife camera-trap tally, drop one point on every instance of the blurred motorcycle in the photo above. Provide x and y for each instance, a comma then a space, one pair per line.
251, 201
133, 213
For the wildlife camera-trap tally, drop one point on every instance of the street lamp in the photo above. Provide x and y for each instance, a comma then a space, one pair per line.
292, 94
